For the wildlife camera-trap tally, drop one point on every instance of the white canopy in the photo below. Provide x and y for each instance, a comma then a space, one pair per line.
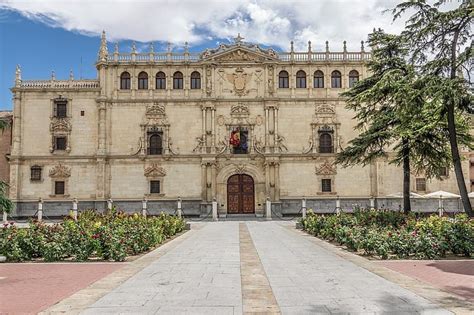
471, 194
400, 195
441, 193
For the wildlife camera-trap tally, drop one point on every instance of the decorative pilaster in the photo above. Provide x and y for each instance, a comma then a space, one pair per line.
102, 149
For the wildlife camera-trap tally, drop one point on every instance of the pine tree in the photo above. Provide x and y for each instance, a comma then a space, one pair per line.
441, 46
395, 114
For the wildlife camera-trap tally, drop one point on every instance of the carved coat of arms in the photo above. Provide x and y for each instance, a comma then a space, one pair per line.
239, 79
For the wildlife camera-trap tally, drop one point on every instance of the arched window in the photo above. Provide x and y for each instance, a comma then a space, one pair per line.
336, 79
155, 143
301, 79
195, 80
353, 78
125, 81
283, 80
160, 81
325, 143
143, 81
178, 80
318, 79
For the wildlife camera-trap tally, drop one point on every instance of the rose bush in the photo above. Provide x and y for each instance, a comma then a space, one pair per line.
389, 234
110, 236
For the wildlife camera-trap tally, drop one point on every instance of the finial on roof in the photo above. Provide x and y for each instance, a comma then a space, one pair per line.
71, 75
309, 46
186, 47
53, 75
327, 46
152, 47
168, 46
344, 47
291, 46
116, 49
17, 75
103, 52
361, 45
134, 48
238, 39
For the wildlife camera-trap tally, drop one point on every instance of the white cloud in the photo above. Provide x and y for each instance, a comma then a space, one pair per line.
268, 22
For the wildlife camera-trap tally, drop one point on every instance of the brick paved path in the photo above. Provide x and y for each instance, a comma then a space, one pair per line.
245, 267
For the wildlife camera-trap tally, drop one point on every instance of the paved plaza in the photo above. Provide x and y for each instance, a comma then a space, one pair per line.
250, 267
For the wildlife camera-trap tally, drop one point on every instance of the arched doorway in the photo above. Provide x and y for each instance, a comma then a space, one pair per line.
240, 194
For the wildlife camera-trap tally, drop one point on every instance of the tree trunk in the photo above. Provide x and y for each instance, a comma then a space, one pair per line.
453, 141
406, 176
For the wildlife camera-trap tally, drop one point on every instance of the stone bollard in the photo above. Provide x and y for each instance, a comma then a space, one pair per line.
74, 209
179, 211
440, 206
40, 209
144, 206
268, 209
109, 204
303, 208
372, 203
338, 205
5, 217
214, 209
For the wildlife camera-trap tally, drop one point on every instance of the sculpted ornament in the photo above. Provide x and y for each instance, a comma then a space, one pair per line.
60, 171
154, 171
239, 110
326, 168
60, 125
239, 79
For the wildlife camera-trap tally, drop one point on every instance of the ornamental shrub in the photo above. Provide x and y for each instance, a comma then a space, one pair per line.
110, 236
393, 235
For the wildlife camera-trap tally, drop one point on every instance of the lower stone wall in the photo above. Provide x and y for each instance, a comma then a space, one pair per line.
62, 208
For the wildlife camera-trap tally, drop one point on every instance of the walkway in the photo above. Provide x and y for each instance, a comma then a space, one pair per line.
254, 267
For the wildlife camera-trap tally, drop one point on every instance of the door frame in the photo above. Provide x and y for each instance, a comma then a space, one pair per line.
241, 193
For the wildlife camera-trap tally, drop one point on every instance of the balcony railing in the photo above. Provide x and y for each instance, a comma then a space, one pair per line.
59, 84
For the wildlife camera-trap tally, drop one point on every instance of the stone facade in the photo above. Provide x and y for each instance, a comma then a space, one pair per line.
5, 145
108, 124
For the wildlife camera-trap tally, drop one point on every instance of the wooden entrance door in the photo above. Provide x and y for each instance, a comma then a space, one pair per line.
240, 194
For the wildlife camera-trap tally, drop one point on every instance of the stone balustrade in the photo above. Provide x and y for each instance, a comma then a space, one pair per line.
59, 84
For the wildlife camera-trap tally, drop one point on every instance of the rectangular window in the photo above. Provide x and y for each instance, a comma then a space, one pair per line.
420, 184
195, 83
60, 143
61, 110
154, 187
319, 82
160, 83
35, 173
325, 185
177, 83
444, 172
59, 188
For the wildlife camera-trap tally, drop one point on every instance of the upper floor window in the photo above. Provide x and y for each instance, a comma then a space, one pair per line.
155, 143
60, 109
353, 78
325, 143
35, 173
178, 80
318, 79
336, 79
160, 81
60, 143
125, 81
283, 80
301, 79
195, 80
239, 141
143, 81
444, 171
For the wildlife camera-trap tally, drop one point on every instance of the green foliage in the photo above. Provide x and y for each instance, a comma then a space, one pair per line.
394, 235
6, 205
110, 236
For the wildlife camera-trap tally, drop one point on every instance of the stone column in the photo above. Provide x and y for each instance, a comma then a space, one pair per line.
102, 150
203, 182
267, 139
214, 180
16, 140
277, 181
213, 122
267, 179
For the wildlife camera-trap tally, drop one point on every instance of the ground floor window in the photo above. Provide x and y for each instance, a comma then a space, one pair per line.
154, 187
35, 173
420, 184
325, 185
59, 187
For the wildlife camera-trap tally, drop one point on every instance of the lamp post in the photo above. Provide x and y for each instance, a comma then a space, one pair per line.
179, 212
40, 209
144, 206
303, 208
74, 209
338, 205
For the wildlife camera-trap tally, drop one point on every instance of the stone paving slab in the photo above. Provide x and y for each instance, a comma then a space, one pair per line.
306, 278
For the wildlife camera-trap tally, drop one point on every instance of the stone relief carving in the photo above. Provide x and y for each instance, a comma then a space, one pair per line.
326, 168
279, 143
239, 79
271, 84
60, 171
60, 125
154, 171
208, 81
239, 110
240, 169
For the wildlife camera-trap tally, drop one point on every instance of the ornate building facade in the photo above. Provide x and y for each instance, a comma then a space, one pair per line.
238, 123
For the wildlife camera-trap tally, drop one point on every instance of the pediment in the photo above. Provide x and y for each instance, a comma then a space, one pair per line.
239, 53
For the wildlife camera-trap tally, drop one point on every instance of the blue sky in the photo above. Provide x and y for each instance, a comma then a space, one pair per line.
46, 35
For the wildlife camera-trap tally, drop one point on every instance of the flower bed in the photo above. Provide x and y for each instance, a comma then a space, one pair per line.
394, 235
110, 236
